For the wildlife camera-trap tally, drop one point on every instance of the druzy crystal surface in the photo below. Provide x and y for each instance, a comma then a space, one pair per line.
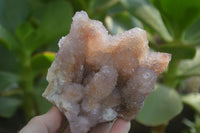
97, 77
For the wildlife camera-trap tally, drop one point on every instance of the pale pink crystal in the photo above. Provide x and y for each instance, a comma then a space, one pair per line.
98, 77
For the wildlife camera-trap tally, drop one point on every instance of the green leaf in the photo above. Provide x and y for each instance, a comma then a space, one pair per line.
116, 8
42, 61
42, 104
147, 13
81, 4
179, 51
8, 60
8, 39
9, 106
121, 22
24, 31
56, 19
13, 13
8, 80
101, 5
54, 24
160, 106
52, 47
189, 68
179, 13
192, 34
192, 100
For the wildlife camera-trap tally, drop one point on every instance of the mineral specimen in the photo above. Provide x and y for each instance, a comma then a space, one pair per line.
98, 77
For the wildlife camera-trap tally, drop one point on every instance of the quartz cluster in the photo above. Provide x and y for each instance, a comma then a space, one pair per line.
97, 77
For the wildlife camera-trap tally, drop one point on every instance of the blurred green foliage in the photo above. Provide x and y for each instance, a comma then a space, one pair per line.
30, 29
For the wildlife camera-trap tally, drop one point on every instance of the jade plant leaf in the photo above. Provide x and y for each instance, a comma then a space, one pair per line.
8, 39
42, 104
160, 106
42, 61
147, 13
55, 23
192, 34
189, 68
179, 13
7, 80
9, 106
9, 62
120, 22
192, 100
13, 13
24, 31
179, 51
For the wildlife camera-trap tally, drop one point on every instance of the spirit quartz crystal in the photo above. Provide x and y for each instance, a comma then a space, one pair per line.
97, 77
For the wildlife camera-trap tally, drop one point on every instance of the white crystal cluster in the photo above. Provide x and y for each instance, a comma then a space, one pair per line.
98, 77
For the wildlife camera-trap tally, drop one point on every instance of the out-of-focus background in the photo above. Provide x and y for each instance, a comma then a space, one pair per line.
29, 33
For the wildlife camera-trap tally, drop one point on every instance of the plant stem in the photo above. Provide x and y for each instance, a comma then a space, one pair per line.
27, 85
158, 129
